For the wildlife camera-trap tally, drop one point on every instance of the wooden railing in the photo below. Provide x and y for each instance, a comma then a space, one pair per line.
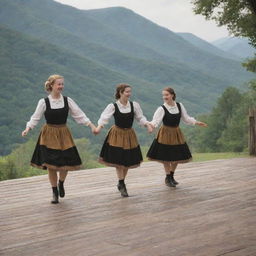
252, 131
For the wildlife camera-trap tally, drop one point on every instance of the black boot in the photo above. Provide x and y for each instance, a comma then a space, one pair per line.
122, 188
61, 188
173, 180
55, 195
168, 181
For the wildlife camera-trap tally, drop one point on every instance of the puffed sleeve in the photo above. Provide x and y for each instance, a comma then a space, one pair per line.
77, 114
138, 114
106, 114
35, 118
158, 117
185, 117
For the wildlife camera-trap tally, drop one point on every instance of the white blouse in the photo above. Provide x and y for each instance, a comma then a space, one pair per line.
78, 115
110, 110
159, 114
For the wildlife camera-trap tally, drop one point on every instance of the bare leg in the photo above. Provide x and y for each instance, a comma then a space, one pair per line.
167, 167
119, 173
52, 177
125, 171
63, 175
173, 166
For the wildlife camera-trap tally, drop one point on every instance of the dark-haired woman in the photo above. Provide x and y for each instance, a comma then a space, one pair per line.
55, 149
169, 147
121, 148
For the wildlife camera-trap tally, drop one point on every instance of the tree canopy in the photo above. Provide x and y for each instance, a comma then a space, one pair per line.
238, 15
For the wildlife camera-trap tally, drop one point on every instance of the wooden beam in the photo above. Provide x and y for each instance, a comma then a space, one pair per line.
252, 131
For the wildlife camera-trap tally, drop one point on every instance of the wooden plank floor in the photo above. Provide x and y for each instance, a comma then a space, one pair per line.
211, 212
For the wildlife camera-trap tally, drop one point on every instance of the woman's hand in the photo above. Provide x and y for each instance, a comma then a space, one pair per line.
150, 127
202, 124
93, 127
25, 132
97, 130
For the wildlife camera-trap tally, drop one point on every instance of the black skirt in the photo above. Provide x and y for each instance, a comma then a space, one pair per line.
55, 149
121, 149
169, 146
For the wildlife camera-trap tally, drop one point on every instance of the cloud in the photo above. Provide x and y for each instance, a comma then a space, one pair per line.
176, 15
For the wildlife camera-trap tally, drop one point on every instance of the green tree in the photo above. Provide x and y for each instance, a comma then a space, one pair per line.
212, 138
221, 114
228, 123
238, 15
235, 136
8, 169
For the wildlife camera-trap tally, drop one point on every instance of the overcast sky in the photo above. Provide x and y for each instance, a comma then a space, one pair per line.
177, 15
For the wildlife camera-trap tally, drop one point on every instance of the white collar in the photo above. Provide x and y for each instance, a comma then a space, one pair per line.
124, 106
169, 107
55, 100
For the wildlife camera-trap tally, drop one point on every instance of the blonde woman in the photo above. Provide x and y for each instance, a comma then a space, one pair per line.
55, 149
121, 148
169, 147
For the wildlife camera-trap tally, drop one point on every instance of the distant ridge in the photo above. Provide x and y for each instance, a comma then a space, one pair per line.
95, 50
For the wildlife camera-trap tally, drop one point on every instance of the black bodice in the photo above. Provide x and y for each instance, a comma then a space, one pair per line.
56, 116
172, 120
124, 120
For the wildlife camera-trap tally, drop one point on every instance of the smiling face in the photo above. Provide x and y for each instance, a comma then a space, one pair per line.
126, 94
167, 96
58, 86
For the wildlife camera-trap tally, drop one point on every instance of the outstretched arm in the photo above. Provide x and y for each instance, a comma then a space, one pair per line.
201, 124
188, 119
141, 119
105, 117
35, 118
77, 114
25, 132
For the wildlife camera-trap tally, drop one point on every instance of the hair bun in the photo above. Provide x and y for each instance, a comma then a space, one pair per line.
50, 81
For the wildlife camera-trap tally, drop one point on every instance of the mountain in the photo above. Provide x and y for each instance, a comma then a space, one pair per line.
166, 43
206, 46
236, 46
128, 36
26, 63
95, 50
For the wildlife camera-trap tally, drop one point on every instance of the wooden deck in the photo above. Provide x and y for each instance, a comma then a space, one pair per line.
211, 213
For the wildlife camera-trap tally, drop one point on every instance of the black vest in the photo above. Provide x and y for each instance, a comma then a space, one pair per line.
124, 120
172, 120
56, 116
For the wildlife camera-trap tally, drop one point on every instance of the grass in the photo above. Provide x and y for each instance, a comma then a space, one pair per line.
200, 157
91, 163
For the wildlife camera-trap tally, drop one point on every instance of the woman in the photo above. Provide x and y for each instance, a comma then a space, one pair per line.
169, 147
121, 148
55, 149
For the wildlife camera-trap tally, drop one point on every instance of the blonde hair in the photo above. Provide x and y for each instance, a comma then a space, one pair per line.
120, 88
50, 81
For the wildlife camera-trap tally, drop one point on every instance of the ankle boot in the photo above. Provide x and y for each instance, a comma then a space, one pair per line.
169, 182
55, 195
122, 188
61, 188
173, 180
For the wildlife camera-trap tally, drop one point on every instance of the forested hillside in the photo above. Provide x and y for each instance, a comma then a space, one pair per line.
94, 50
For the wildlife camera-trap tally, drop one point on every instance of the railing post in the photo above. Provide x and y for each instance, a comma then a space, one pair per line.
252, 131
